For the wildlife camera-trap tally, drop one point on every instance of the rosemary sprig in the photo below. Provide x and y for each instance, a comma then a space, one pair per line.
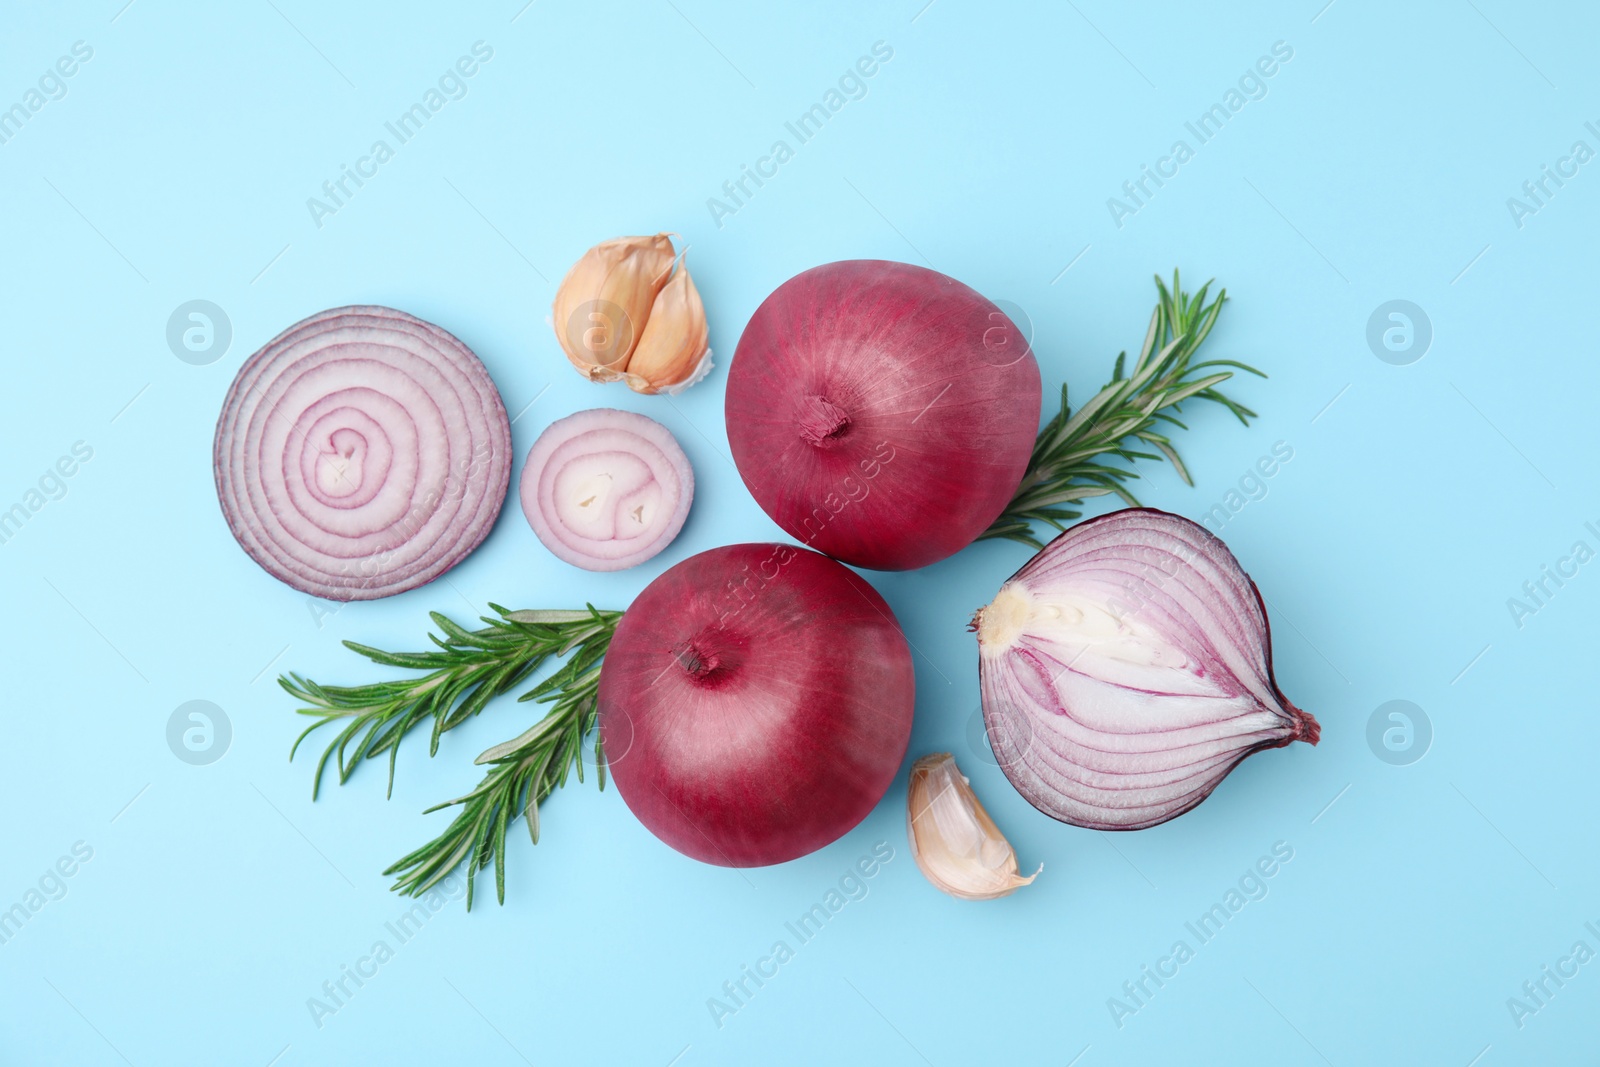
522, 772
466, 670
1122, 419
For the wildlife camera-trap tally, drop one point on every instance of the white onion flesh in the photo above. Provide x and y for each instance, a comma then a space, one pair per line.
606, 489
1126, 669
360, 453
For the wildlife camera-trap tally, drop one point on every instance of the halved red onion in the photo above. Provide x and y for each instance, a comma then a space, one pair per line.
1126, 669
606, 489
881, 412
360, 453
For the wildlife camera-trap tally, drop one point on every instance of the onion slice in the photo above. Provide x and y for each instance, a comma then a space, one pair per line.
361, 453
1126, 669
606, 489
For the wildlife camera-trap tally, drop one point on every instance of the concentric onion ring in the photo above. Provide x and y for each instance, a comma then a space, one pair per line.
361, 453
605, 489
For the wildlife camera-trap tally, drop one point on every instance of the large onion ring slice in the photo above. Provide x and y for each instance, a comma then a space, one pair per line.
361, 453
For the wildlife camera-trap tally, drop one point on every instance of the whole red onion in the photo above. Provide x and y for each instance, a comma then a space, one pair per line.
882, 413
1126, 669
755, 703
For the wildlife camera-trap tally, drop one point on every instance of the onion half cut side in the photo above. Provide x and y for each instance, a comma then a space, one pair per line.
605, 489
361, 453
1127, 669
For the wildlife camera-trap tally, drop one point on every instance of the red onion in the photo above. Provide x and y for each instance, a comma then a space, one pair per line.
1127, 669
362, 452
755, 703
606, 489
882, 413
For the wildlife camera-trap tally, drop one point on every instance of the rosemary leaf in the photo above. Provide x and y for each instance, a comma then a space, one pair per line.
467, 670
1067, 468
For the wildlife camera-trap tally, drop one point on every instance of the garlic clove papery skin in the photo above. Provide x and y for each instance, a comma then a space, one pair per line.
1126, 670
954, 842
672, 352
603, 305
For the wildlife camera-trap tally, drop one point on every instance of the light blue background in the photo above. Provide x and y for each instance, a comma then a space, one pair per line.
219, 898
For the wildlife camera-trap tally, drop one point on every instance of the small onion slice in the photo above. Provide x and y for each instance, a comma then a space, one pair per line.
605, 489
361, 453
1126, 669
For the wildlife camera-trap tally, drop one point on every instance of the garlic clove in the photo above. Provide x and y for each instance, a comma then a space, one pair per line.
603, 304
954, 842
697, 375
671, 353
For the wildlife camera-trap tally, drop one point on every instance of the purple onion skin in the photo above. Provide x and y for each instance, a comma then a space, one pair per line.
755, 704
1107, 756
882, 413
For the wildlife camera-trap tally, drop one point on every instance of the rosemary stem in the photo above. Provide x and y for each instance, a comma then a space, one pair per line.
1069, 458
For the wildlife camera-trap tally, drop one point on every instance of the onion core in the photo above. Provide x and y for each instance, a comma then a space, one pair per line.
1127, 669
